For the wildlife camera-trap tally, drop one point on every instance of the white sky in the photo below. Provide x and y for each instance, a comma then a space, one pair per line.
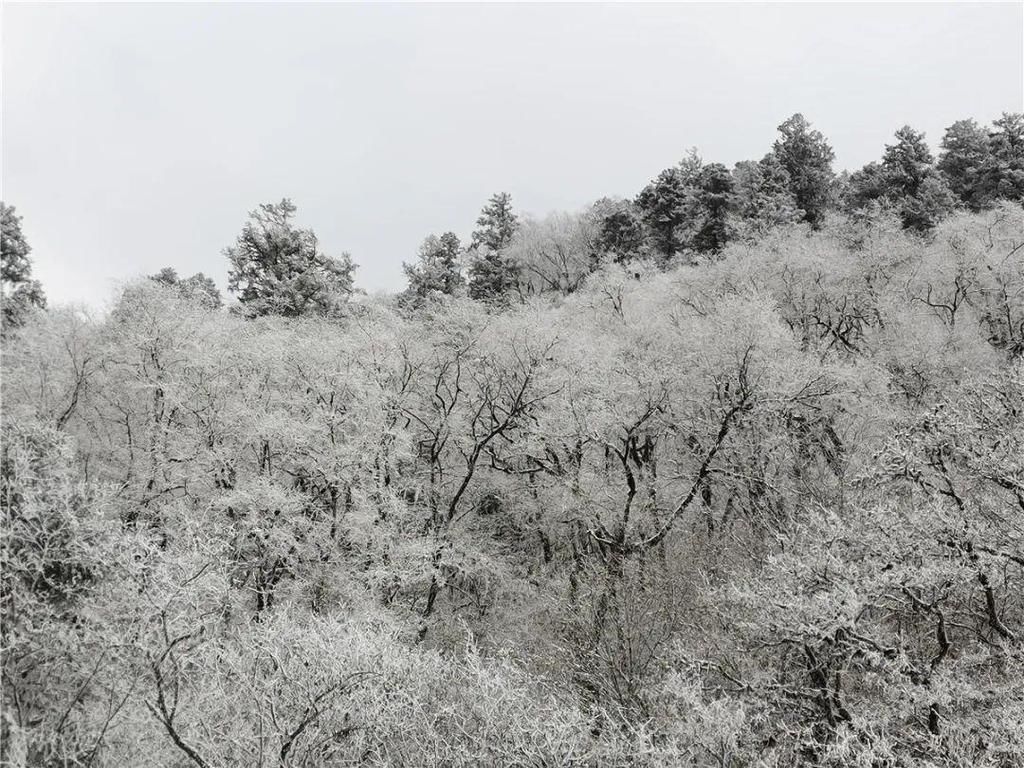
139, 136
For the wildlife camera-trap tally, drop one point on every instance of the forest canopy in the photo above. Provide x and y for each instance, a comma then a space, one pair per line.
727, 474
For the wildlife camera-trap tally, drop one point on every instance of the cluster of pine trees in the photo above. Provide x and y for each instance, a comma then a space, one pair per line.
690, 211
730, 474
695, 209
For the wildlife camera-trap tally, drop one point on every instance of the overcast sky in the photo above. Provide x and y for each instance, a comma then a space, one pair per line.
139, 136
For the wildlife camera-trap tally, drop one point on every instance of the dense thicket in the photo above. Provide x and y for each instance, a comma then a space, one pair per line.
760, 505
764, 508
21, 294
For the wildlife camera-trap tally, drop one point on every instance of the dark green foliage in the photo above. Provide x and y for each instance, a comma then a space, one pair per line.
621, 229
866, 186
436, 271
931, 202
762, 197
983, 167
907, 163
278, 269
965, 161
807, 158
21, 294
663, 206
915, 188
1004, 172
491, 274
906, 182
687, 208
198, 288
712, 198
168, 276
496, 224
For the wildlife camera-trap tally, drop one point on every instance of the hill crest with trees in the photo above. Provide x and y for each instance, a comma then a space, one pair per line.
728, 474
